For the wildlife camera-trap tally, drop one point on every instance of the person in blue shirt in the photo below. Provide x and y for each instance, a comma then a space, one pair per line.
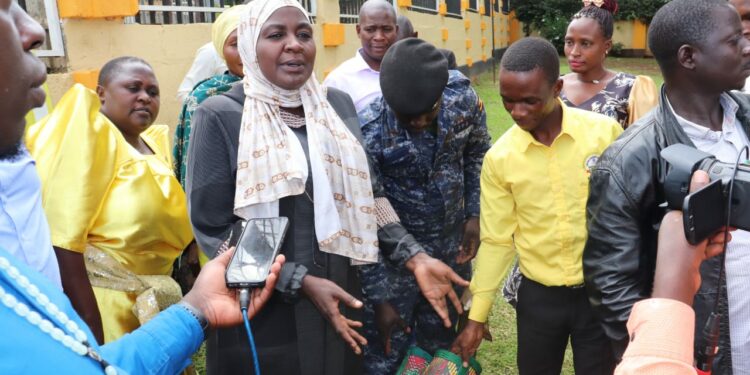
24, 231
42, 333
32, 309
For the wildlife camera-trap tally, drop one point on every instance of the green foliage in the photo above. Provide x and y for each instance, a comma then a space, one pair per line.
616, 49
551, 17
554, 29
537, 13
638, 9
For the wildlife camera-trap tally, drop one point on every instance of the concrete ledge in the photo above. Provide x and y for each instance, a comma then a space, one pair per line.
333, 34
88, 78
97, 8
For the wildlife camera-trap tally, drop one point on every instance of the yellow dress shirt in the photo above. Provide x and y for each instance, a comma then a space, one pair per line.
533, 202
98, 190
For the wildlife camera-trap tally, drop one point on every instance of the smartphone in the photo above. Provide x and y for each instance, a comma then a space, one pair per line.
704, 212
257, 247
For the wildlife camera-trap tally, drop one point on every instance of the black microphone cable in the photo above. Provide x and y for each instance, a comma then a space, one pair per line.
708, 343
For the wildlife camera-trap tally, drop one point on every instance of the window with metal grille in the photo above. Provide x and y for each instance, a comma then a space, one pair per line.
165, 12
45, 12
430, 6
349, 10
506, 7
454, 7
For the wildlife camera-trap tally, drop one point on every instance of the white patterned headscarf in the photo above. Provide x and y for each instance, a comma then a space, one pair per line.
271, 163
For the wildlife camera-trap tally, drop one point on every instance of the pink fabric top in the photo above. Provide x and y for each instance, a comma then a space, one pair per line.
661, 339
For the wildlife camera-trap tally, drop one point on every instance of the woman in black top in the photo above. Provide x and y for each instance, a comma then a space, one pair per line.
288, 135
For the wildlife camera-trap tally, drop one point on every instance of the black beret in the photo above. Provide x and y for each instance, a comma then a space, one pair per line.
413, 75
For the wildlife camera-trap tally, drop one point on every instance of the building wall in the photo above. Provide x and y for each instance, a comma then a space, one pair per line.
170, 49
91, 42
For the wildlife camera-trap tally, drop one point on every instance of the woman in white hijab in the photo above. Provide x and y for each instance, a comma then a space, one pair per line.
280, 145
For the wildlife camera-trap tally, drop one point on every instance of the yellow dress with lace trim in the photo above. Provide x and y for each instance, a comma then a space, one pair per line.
98, 190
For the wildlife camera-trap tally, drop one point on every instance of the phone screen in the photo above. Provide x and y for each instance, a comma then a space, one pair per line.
259, 243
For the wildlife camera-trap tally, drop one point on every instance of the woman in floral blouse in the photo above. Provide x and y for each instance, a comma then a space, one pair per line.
590, 85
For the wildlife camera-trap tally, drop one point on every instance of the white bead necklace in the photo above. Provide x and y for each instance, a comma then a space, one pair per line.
291, 120
76, 342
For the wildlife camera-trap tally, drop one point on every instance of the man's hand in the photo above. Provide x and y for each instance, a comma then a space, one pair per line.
326, 295
436, 279
467, 342
677, 273
470, 242
387, 319
219, 304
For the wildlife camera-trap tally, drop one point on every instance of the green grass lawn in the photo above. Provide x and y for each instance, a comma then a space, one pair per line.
499, 356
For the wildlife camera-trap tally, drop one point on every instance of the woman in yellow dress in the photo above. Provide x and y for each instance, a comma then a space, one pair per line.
109, 191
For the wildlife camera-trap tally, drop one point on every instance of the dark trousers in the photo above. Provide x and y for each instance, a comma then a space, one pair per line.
546, 318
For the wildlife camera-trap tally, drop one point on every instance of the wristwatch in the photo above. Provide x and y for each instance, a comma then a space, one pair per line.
198, 315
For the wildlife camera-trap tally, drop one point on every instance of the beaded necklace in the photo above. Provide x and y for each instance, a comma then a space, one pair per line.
74, 339
291, 120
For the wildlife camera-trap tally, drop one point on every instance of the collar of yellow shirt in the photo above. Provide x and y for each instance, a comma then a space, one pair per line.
524, 139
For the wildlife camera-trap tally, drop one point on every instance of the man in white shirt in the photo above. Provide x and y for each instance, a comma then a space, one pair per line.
726, 143
702, 61
743, 8
24, 231
360, 76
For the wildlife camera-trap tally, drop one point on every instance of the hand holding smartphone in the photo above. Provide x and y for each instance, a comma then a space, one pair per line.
257, 247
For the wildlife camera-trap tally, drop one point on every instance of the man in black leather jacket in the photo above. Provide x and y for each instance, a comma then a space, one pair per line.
701, 60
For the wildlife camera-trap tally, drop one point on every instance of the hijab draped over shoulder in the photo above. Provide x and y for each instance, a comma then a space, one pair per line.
271, 163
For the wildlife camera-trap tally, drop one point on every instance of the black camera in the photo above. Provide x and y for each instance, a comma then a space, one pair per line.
705, 211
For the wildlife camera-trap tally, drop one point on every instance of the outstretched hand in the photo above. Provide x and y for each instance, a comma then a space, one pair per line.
326, 296
219, 304
435, 280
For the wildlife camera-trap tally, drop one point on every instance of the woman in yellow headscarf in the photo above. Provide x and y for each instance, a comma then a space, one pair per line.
224, 39
109, 192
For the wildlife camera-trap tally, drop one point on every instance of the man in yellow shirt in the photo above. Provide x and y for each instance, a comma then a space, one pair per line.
534, 186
